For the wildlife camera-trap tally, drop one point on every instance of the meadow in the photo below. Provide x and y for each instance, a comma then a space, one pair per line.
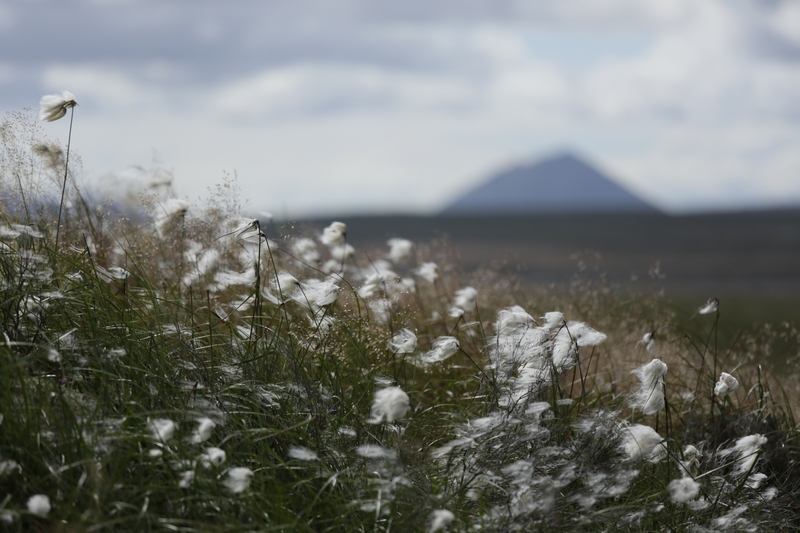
176, 369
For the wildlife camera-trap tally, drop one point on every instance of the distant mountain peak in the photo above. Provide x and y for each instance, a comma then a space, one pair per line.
562, 183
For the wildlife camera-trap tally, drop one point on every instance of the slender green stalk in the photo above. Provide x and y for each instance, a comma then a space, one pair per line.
66, 174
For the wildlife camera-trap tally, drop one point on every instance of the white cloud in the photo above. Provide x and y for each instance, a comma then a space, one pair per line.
319, 88
406, 105
107, 86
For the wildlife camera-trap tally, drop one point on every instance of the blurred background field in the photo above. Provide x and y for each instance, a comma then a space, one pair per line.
749, 260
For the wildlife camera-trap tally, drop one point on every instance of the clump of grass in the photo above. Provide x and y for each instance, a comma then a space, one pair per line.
186, 372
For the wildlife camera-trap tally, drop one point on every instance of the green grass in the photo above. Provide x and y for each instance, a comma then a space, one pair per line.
90, 357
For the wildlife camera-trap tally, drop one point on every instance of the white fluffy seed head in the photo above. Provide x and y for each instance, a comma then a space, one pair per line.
746, 449
39, 505
238, 479
649, 397
466, 298
212, 457
203, 432
427, 271
640, 441
390, 404
442, 348
334, 235
711, 306
302, 453
187, 478
162, 429
441, 519
399, 250
683, 489
512, 318
403, 342
553, 319
53, 107
726, 385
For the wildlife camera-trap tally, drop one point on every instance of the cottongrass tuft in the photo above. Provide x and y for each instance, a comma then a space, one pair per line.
683, 489
441, 349
726, 385
441, 519
203, 431
375, 451
466, 298
746, 450
187, 479
334, 235
427, 271
512, 318
648, 340
302, 453
399, 250
649, 397
403, 342
390, 404
212, 457
641, 442
53, 106
162, 429
238, 479
711, 306
39, 505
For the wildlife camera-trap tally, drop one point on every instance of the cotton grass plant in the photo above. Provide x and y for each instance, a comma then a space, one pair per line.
186, 372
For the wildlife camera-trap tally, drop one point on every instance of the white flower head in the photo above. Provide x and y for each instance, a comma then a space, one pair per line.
53, 107
466, 298
403, 342
203, 432
441, 519
39, 505
238, 479
399, 250
569, 337
649, 397
376, 281
334, 235
640, 441
306, 250
690, 463
375, 451
746, 449
443, 348
683, 489
648, 340
711, 306
726, 385
187, 478
755, 481
315, 294
553, 319
512, 318
456, 312
302, 453
212, 457
342, 253
162, 429
390, 404
285, 284
9, 466
427, 271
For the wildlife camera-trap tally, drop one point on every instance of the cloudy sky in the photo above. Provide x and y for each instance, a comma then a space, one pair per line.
340, 106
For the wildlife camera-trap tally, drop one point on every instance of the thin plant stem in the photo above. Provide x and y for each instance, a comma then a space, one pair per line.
66, 174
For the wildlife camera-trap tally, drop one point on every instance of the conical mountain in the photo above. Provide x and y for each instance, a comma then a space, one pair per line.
561, 184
